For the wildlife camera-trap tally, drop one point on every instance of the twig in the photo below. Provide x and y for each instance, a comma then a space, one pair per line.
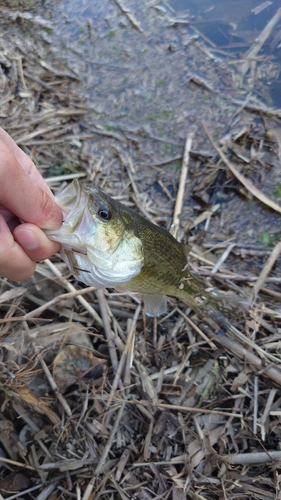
266, 270
245, 247
268, 405
127, 13
270, 371
259, 109
122, 463
205, 215
21, 74
166, 191
246, 182
53, 385
252, 458
46, 493
270, 292
123, 356
128, 163
21, 411
187, 409
223, 258
119, 489
129, 347
94, 170
257, 45
66, 177
71, 288
200, 82
235, 277
182, 183
26, 16
204, 49
17, 464
106, 450
41, 82
250, 342
198, 330
138, 204
261, 7
107, 328
24, 492
256, 404
47, 305
41, 131
165, 162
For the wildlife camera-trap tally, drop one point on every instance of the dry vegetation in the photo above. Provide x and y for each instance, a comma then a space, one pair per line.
98, 401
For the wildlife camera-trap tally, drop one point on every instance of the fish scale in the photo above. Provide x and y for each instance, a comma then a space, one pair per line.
106, 244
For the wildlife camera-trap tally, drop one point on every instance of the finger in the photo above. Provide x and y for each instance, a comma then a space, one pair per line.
10, 218
23, 197
25, 162
14, 263
34, 242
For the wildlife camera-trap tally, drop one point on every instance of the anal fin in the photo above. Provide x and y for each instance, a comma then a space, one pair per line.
154, 304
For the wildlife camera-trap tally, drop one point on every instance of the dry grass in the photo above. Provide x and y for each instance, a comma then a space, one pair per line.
139, 409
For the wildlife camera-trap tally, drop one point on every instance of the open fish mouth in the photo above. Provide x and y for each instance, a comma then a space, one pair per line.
73, 202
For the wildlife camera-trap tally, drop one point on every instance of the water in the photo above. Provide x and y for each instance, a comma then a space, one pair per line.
127, 73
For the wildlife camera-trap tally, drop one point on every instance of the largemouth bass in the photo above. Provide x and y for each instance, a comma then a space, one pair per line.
107, 245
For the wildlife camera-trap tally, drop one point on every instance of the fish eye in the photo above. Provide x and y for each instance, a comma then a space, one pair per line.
104, 213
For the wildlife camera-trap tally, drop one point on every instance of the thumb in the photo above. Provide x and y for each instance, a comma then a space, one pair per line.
24, 197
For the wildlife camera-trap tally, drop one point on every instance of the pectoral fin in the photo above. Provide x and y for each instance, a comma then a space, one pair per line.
154, 305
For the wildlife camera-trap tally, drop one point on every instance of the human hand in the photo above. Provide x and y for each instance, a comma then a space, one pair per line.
24, 195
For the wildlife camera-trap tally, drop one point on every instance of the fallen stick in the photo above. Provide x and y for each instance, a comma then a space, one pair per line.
257, 45
131, 18
252, 458
246, 182
271, 371
182, 185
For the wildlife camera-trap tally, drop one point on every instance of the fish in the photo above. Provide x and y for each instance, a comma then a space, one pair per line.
107, 245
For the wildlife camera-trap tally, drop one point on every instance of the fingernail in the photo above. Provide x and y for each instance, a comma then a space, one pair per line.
28, 240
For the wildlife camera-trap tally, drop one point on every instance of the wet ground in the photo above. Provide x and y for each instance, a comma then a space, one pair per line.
111, 90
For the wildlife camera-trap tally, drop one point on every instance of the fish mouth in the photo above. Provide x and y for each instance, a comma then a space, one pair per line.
69, 196
73, 201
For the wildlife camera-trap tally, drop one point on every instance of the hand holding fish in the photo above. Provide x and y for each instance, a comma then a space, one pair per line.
104, 243
24, 196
